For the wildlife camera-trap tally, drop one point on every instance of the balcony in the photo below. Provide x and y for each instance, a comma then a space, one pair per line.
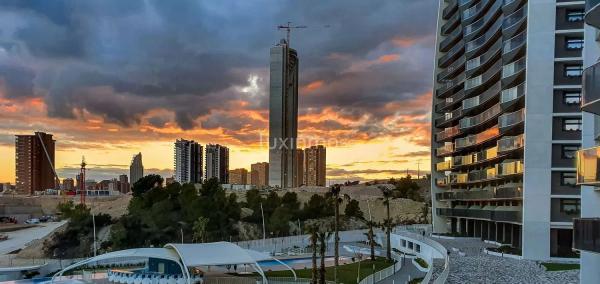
476, 139
449, 101
473, 64
475, 158
476, 28
510, 143
485, 39
451, 39
443, 166
446, 149
474, 102
588, 166
509, 193
506, 214
509, 168
451, 71
513, 68
511, 47
448, 117
508, 120
514, 22
586, 234
590, 101
448, 85
447, 133
454, 52
592, 13
450, 8
508, 96
481, 118
471, 13
451, 24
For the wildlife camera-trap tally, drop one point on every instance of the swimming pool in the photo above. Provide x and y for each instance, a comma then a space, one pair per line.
294, 261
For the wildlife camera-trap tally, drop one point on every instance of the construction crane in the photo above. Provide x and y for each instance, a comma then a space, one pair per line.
288, 28
57, 180
82, 188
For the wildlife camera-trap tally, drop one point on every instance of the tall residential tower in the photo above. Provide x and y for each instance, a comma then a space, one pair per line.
34, 163
217, 163
283, 115
506, 122
136, 169
188, 161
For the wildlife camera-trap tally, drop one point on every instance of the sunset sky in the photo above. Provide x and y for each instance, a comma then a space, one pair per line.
112, 78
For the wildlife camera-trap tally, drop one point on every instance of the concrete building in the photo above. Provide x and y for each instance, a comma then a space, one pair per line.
68, 184
124, 186
259, 174
299, 170
34, 163
315, 165
506, 122
238, 176
587, 228
217, 162
136, 169
188, 161
283, 115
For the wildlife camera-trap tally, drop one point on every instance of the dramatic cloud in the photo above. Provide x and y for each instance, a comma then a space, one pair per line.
101, 74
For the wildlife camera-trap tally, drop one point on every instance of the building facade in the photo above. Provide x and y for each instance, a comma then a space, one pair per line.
124, 186
506, 122
238, 176
136, 169
299, 170
188, 161
217, 162
68, 184
283, 115
587, 228
259, 174
315, 165
34, 163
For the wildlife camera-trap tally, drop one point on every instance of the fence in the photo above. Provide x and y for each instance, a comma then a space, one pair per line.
440, 249
384, 273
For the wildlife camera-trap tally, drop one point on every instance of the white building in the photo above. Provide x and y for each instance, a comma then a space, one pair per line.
188, 161
136, 169
217, 163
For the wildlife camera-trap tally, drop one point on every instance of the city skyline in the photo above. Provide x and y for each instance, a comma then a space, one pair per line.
372, 97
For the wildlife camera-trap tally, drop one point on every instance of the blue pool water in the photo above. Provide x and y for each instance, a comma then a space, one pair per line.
294, 261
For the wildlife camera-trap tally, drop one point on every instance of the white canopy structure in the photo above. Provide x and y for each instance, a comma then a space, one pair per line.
189, 255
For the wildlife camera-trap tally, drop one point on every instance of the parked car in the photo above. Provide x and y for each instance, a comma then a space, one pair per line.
32, 221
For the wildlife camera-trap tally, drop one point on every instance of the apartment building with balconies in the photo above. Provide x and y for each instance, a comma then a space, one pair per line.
506, 124
587, 228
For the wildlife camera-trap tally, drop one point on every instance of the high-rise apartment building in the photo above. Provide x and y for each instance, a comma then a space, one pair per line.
238, 176
124, 186
315, 163
283, 115
217, 162
136, 169
34, 163
587, 228
188, 161
299, 170
259, 174
68, 184
506, 123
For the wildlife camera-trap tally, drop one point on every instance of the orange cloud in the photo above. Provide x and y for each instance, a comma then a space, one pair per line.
404, 42
388, 58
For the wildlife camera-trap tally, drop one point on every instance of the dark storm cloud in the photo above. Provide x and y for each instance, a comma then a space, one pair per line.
122, 59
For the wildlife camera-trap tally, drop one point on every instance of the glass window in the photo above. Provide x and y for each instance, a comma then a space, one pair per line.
417, 248
572, 124
568, 178
570, 206
574, 42
573, 70
569, 151
572, 98
575, 15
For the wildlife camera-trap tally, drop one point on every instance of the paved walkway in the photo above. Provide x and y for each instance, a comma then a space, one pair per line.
408, 271
19, 239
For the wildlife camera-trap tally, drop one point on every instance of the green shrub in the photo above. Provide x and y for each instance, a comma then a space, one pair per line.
422, 262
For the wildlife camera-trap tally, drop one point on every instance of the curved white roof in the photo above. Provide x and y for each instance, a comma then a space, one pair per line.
219, 253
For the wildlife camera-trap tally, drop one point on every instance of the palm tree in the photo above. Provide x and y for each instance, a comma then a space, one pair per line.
334, 190
199, 228
323, 236
313, 231
371, 238
387, 195
425, 212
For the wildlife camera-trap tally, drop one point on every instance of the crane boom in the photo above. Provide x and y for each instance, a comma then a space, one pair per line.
57, 182
288, 28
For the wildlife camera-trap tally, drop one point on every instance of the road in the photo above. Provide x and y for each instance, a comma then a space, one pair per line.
19, 239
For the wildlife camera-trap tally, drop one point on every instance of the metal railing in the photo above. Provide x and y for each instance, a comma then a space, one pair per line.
512, 93
510, 143
588, 171
510, 119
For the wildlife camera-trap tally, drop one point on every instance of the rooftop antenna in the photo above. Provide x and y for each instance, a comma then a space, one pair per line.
288, 28
82, 187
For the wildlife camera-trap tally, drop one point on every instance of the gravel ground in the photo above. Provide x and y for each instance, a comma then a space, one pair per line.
477, 267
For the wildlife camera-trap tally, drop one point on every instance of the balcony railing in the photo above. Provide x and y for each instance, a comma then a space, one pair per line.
513, 43
515, 17
592, 13
489, 113
447, 133
447, 148
477, 138
485, 194
443, 166
477, 25
586, 234
476, 157
509, 168
481, 40
591, 89
512, 93
510, 143
513, 68
444, 60
474, 10
588, 166
511, 119
458, 64
495, 215
447, 85
473, 82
